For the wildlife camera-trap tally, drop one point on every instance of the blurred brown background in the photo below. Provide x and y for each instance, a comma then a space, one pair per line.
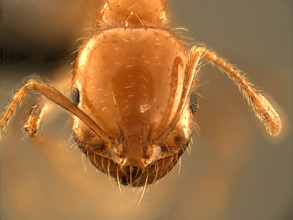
235, 170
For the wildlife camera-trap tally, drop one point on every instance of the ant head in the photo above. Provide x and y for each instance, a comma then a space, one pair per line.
133, 13
132, 94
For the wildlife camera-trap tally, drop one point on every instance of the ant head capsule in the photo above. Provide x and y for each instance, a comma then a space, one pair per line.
133, 13
132, 93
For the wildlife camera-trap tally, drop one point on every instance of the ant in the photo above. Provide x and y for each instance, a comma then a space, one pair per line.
132, 98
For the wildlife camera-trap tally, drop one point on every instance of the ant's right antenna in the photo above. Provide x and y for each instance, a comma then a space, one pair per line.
261, 106
263, 109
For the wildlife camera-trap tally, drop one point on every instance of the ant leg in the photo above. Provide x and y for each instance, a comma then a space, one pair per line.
32, 124
59, 99
42, 107
261, 106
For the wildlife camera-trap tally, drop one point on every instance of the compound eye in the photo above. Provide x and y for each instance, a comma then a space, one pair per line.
75, 96
193, 103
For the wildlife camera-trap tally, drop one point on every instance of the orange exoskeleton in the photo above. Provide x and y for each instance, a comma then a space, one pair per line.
132, 99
